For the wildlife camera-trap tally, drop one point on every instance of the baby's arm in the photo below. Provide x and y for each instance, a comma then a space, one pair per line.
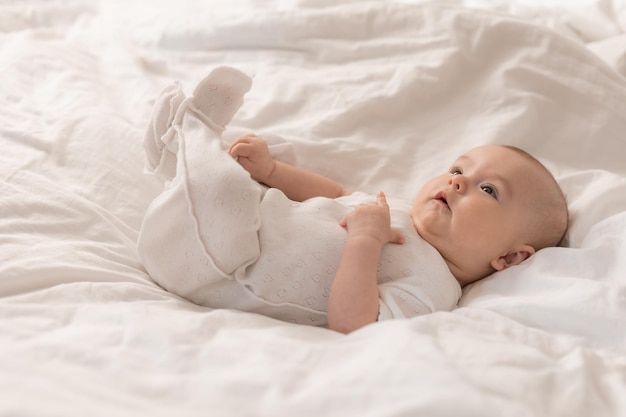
353, 300
297, 184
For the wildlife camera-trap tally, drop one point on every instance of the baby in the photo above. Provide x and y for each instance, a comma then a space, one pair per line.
306, 250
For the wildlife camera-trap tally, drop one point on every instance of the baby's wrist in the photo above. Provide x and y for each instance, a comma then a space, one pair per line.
267, 178
365, 240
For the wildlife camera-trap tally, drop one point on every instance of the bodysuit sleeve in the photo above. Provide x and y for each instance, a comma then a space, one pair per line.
413, 296
398, 302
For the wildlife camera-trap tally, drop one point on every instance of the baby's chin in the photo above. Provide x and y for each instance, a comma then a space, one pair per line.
467, 267
427, 230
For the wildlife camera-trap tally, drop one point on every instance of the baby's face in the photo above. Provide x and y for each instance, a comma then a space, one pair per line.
476, 211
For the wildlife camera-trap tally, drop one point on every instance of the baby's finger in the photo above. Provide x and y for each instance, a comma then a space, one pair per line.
397, 237
241, 139
344, 222
235, 143
382, 200
241, 149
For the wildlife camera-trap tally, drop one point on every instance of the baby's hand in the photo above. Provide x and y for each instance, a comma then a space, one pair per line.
373, 221
253, 154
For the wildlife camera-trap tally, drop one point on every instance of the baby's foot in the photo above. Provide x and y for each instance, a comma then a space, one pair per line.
161, 159
220, 95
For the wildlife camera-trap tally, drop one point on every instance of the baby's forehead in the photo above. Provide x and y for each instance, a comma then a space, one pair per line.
518, 168
500, 157
489, 151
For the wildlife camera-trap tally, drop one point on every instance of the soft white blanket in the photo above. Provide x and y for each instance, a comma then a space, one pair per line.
377, 95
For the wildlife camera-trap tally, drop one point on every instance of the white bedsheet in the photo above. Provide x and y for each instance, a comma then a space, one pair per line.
379, 96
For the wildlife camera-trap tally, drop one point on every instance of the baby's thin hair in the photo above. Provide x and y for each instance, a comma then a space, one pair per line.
550, 227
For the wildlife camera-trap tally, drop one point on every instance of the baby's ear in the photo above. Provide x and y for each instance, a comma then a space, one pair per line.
514, 257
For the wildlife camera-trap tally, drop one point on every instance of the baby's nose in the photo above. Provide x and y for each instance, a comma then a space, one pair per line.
457, 182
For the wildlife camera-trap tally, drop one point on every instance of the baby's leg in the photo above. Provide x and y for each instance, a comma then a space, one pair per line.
203, 227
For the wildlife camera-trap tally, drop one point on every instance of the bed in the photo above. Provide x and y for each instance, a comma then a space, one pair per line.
378, 96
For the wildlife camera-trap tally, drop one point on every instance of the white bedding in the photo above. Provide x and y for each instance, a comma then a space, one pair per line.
379, 96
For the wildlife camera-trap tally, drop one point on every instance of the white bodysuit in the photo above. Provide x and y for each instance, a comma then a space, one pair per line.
219, 239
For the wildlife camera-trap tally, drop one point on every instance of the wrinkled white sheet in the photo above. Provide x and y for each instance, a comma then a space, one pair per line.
377, 95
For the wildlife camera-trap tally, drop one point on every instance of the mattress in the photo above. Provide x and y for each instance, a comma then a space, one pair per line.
376, 95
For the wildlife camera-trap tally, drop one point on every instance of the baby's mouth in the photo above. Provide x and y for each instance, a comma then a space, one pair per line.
441, 196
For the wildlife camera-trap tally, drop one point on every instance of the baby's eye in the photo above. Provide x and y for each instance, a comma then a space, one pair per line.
456, 171
489, 190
